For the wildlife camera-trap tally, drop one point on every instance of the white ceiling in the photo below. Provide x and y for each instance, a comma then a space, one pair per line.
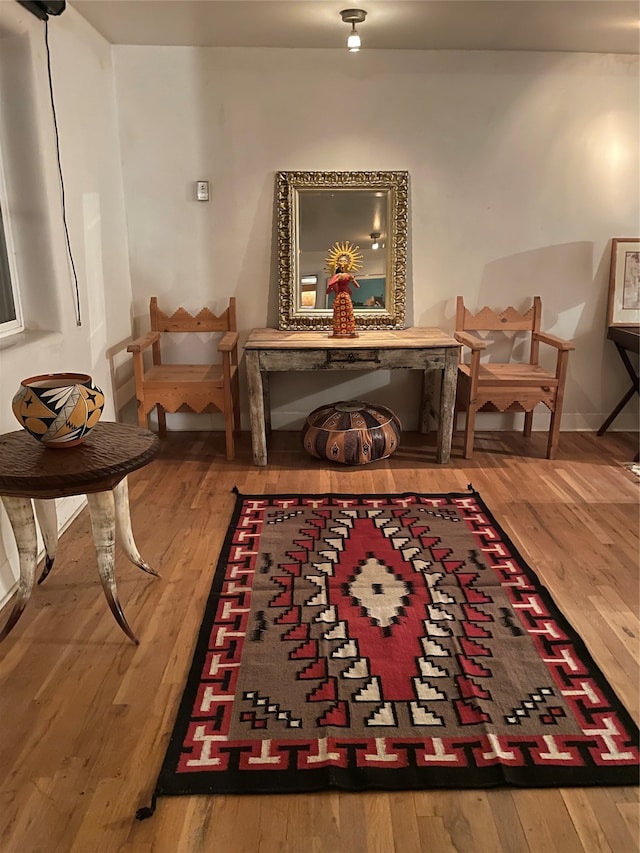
591, 26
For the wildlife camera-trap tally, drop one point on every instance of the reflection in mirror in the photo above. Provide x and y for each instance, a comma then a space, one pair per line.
318, 209
323, 218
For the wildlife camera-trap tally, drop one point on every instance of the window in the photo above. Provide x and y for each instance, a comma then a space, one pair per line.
10, 309
10, 312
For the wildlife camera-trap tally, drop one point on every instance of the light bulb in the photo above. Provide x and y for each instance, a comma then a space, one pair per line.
375, 245
353, 42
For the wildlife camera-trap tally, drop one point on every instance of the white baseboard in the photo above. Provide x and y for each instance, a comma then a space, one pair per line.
627, 421
571, 422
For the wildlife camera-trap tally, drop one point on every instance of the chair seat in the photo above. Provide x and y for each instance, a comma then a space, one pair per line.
184, 373
517, 374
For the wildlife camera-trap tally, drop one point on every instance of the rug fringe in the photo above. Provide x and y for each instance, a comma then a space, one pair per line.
147, 811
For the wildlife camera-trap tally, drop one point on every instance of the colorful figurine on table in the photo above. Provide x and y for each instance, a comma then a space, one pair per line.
342, 261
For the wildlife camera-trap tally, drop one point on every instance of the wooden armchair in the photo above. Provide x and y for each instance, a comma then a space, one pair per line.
183, 387
512, 387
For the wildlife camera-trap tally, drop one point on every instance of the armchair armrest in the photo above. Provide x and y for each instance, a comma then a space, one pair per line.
558, 343
470, 341
143, 342
228, 342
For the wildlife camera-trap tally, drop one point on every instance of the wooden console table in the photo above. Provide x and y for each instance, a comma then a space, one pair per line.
430, 350
98, 468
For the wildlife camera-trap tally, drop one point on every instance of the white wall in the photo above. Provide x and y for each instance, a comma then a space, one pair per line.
522, 167
85, 106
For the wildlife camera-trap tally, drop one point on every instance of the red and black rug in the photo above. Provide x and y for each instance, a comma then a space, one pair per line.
390, 642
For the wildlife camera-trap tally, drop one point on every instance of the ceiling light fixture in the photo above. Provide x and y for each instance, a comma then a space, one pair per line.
375, 236
353, 17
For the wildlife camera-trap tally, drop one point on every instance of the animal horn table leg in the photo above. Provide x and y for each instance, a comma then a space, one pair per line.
23, 523
48, 521
103, 525
123, 527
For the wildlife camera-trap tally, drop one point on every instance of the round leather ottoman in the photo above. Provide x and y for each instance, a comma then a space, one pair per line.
352, 432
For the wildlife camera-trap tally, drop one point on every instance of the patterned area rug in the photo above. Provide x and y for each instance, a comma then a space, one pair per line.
389, 642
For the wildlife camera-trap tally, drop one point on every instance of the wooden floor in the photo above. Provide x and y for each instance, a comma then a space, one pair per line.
85, 715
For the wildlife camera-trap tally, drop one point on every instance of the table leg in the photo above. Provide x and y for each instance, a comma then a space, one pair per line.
123, 527
447, 405
614, 414
48, 521
266, 401
23, 523
103, 525
256, 408
427, 394
634, 389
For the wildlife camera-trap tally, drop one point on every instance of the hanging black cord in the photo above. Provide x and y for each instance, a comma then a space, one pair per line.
64, 210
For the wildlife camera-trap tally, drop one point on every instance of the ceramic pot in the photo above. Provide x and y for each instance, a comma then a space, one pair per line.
59, 409
351, 432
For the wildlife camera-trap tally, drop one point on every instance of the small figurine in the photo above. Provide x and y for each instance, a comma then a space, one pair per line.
343, 258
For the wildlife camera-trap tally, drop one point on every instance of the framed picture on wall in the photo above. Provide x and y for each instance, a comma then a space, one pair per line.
624, 282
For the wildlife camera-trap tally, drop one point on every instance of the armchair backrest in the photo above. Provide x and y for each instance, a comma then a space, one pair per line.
508, 320
204, 321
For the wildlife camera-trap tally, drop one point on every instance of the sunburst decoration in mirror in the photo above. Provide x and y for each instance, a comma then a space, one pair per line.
348, 256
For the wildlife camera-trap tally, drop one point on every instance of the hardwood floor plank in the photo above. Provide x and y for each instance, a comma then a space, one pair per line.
507, 821
351, 821
434, 836
547, 823
620, 617
605, 804
585, 820
378, 824
462, 813
631, 815
273, 819
404, 823
299, 827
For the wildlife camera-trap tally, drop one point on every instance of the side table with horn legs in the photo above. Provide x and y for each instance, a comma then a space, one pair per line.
97, 468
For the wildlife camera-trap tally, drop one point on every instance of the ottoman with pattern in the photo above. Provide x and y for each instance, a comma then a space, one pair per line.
351, 432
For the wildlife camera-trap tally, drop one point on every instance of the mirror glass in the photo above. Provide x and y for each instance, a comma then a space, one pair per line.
316, 210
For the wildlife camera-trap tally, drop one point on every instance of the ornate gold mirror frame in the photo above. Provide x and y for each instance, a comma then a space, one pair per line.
316, 209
